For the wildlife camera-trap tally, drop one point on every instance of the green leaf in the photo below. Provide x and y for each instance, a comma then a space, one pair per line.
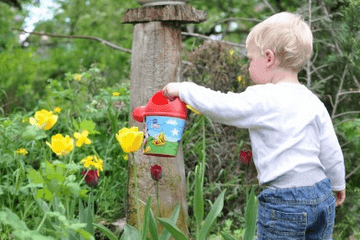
74, 188
33, 235
47, 195
107, 232
49, 170
85, 234
90, 215
44, 193
130, 233
30, 185
60, 172
71, 178
41, 134
58, 206
214, 212
72, 167
35, 176
59, 216
76, 226
40, 193
32, 132
227, 236
146, 219
82, 215
74, 236
173, 229
251, 215
165, 235
43, 205
90, 126
83, 194
198, 197
54, 186
153, 226
7, 217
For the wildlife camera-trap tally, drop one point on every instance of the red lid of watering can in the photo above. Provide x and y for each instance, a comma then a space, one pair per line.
159, 105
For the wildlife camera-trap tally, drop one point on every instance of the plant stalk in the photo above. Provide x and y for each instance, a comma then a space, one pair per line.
136, 192
157, 199
41, 223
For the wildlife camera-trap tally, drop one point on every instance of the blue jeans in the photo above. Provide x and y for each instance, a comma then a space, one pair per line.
297, 213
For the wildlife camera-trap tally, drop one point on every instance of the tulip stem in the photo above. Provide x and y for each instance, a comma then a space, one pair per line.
157, 199
246, 182
45, 157
136, 191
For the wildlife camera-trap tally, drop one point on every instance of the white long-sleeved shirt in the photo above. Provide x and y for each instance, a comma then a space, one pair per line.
290, 129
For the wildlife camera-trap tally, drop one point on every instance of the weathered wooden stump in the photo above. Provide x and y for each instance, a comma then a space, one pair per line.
156, 61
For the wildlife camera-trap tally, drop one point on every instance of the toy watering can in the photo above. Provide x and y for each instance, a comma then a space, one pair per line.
165, 124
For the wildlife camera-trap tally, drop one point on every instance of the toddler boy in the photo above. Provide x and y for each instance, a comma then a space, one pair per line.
296, 152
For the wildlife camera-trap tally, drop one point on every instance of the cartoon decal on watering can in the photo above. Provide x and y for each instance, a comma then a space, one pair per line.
165, 124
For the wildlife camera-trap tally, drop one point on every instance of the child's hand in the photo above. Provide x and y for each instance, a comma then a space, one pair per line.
171, 90
340, 197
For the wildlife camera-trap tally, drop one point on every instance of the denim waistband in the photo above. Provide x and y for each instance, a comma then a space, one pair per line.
298, 195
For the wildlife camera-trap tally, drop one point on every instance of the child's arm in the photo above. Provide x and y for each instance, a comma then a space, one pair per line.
332, 158
236, 109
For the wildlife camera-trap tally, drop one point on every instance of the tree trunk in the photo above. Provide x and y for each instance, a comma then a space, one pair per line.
156, 61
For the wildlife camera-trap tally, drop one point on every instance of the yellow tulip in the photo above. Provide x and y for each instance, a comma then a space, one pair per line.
130, 139
44, 119
82, 138
61, 145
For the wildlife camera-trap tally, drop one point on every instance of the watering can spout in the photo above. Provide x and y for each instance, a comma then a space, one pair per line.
138, 114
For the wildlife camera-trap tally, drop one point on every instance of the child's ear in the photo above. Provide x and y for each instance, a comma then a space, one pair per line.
270, 57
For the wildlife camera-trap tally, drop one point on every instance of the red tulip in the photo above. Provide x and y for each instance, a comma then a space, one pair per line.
91, 178
156, 172
245, 156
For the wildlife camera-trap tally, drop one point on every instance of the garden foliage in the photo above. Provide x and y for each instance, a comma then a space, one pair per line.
45, 195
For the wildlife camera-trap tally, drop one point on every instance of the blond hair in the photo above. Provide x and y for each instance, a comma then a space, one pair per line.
288, 36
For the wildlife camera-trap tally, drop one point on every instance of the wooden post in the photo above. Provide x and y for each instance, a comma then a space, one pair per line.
156, 61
